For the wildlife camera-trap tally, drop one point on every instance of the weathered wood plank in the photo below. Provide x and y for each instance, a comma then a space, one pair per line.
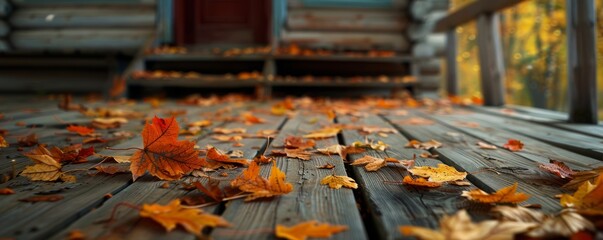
84, 17
489, 170
80, 39
533, 149
452, 82
391, 4
147, 190
5, 8
392, 205
48, 218
582, 61
309, 200
491, 59
472, 11
39, 3
346, 20
356, 41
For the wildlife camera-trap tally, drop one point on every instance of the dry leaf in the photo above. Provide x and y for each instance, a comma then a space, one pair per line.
372, 163
81, 130
336, 182
113, 169
163, 155
308, 229
28, 141
43, 198
108, 123
326, 166
6, 191
513, 145
3, 142
334, 149
250, 181
415, 121
441, 173
504, 195
45, 169
420, 182
323, 133
200, 123
298, 142
588, 199
379, 145
226, 138
460, 226
583, 176
558, 168
248, 118
76, 235
484, 145
263, 159
378, 130
423, 145
212, 190
564, 224
220, 130
192, 219
293, 153
216, 159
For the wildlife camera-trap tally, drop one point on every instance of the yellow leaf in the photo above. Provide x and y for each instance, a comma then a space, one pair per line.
420, 182
588, 199
307, 229
42, 172
192, 219
372, 163
442, 173
504, 195
3, 142
336, 182
460, 226
323, 133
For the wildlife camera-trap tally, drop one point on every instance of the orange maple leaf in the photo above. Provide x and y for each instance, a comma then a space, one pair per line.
163, 155
504, 195
217, 159
251, 181
307, 229
192, 219
420, 182
81, 130
513, 145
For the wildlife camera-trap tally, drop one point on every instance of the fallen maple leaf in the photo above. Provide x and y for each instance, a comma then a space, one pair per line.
293, 153
423, 145
420, 182
564, 224
216, 159
336, 182
28, 141
374, 163
251, 181
460, 226
504, 195
484, 145
220, 130
108, 123
304, 230
579, 178
441, 173
378, 130
248, 118
298, 142
558, 168
46, 168
192, 219
334, 149
163, 155
81, 130
588, 199
513, 145
326, 132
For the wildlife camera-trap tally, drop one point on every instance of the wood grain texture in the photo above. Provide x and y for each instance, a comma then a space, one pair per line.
309, 200
392, 204
489, 170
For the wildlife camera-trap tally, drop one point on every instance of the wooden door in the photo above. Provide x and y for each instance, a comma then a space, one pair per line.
221, 22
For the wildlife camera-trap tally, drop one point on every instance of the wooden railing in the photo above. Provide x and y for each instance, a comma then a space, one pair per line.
581, 48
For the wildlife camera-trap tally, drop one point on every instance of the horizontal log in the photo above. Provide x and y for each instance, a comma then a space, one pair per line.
393, 4
433, 45
420, 30
356, 41
346, 20
471, 12
47, 3
79, 39
4, 28
421, 8
64, 17
5, 8
430, 67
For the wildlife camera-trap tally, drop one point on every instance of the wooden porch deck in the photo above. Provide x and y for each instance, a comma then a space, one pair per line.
373, 211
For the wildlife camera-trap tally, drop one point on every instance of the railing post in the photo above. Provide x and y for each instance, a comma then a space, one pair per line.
452, 85
491, 59
582, 62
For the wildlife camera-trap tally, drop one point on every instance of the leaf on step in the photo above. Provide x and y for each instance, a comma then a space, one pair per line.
220, 130
484, 145
372, 163
193, 220
3, 142
326, 132
504, 195
423, 145
336, 182
579, 178
588, 199
108, 123
513, 145
565, 224
309, 229
420, 182
81, 130
558, 168
298, 142
293, 153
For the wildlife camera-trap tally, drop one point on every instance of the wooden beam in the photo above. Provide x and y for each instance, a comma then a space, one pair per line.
582, 61
491, 59
452, 82
472, 11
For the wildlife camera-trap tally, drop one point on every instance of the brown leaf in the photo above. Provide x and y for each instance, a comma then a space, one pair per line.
28, 141
372, 163
212, 190
326, 166
311, 229
298, 142
484, 145
334, 149
583, 176
564, 224
326, 132
216, 159
113, 169
251, 181
293, 153
558, 168
415, 121
3, 142
42, 198
378, 130
81, 130
108, 123
220, 130
588, 199
423, 145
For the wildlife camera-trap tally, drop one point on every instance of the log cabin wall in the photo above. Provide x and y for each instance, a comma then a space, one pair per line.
427, 45
78, 45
